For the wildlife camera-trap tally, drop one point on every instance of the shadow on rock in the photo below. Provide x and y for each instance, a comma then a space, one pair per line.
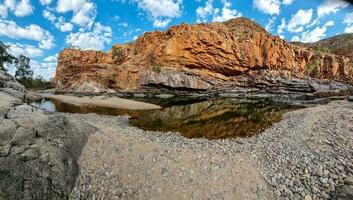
39, 153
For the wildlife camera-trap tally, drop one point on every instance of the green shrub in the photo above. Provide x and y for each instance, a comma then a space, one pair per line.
38, 83
117, 53
157, 68
313, 69
324, 50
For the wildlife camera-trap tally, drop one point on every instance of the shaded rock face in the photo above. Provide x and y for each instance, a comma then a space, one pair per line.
38, 150
198, 57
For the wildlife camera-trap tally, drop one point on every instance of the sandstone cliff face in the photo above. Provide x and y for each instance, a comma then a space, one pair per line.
197, 57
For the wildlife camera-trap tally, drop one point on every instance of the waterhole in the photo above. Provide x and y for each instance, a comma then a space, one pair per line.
193, 118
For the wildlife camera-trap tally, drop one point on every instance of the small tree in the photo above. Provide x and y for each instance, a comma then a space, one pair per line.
23, 68
5, 57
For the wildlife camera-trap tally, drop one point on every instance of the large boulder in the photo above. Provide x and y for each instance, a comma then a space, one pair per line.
38, 150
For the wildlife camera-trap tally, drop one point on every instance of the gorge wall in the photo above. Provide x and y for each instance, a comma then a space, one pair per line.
215, 56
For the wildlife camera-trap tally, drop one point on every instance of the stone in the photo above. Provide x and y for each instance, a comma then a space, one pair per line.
7, 130
344, 192
307, 197
23, 136
324, 180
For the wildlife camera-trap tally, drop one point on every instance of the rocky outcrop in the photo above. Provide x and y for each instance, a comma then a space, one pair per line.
38, 150
197, 57
339, 45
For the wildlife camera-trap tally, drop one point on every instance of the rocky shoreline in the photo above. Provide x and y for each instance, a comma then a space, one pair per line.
46, 155
306, 155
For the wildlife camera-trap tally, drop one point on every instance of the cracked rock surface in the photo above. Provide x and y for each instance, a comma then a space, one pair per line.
38, 150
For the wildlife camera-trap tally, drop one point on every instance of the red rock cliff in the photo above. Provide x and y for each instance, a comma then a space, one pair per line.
201, 56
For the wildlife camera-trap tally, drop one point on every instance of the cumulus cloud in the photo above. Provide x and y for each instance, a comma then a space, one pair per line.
316, 34
159, 23
281, 26
287, 2
226, 13
297, 21
31, 32
53, 58
20, 8
271, 7
160, 11
295, 38
44, 69
205, 11
270, 23
95, 39
218, 14
3, 11
348, 20
30, 51
45, 2
331, 6
84, 11
59, 22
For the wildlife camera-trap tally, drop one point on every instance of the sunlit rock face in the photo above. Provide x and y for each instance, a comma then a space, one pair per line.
198, 57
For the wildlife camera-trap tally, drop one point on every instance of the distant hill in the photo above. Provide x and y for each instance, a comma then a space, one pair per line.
339, 45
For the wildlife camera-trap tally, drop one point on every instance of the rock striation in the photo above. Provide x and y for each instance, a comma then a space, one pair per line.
201, 57
38, 150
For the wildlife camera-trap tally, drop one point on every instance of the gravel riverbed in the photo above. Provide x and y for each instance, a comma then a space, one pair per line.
308, 155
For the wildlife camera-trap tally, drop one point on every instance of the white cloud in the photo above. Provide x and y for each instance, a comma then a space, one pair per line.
32, 32
281, 26
158, 23
203, 12
51, 58
86, 15
287, 2
30, 51
226, 14
59, 22
23, 8
44, 69
317, 34
331, 6
270, 23
45, 2
95, 39
160, 10
348, 29
348, 20
295, 38
218, 15
64, 6
271, 7
20, 8
301, 18
3, 11
84, 11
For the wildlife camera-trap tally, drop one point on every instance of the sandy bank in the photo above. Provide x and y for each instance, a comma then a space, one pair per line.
110, 102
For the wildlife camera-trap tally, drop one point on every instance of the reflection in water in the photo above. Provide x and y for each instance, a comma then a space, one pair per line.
212, 118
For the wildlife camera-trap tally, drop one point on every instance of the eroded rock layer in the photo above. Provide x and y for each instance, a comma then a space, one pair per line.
196, 57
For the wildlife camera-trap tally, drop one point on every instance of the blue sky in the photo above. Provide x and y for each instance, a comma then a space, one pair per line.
40, 29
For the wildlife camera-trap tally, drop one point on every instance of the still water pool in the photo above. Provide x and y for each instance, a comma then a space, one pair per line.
193, 118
